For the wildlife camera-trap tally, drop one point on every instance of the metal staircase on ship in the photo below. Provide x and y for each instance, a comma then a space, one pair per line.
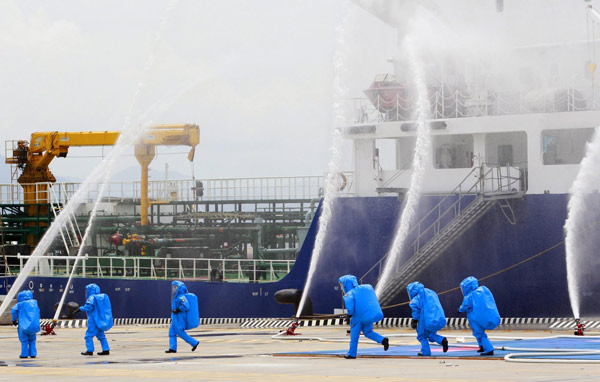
476, 194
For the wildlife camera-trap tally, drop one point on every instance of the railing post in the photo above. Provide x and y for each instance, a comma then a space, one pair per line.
443, 100
456, 94
83, 272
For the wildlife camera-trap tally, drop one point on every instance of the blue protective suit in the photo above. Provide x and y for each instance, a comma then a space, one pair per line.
362, 304
482, 313
27, 312
181, 304
426, 308
97, 307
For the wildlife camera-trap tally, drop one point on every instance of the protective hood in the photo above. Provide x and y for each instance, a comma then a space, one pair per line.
468, 285
348, 282
177, 289
91, 289
24, 295
414, 289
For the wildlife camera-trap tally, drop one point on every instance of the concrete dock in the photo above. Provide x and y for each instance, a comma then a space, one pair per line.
229, 353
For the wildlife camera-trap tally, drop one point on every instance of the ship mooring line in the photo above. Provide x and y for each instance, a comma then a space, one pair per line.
325, 316
490, 275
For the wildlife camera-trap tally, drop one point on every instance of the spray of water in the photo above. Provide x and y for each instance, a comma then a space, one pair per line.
332, 180
130, 133
421, 158
586, 182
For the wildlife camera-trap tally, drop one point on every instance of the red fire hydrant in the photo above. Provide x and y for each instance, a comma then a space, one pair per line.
579, 328
291, 330
48, 329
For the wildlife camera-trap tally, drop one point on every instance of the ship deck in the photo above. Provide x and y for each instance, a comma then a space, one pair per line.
229, 353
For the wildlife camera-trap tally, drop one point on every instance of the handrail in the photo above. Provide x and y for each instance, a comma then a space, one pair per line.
449, 101
155, 268
457, 207
260, 188
418, 224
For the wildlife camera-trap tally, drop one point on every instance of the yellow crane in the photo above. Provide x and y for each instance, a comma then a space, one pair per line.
34, 158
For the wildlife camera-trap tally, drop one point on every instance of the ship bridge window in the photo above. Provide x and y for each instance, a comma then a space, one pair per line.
506, 149
565, 146
453, 151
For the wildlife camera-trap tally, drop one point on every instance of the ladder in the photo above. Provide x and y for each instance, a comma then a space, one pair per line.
441, 227
69, 231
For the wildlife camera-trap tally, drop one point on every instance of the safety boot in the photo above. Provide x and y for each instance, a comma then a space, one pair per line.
385, 343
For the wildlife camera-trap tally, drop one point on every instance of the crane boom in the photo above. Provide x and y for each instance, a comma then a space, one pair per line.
34, 157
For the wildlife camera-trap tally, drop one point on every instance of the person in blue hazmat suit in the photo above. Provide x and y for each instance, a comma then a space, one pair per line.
363, 310
99, 313
482, 312
26, 314
427, 317
179, 305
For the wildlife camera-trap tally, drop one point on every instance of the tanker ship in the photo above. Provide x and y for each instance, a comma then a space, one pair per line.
493, 205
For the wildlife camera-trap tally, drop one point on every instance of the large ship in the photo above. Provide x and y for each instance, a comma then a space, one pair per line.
493, 205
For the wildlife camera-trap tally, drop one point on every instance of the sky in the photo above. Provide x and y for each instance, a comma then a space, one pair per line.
256, 76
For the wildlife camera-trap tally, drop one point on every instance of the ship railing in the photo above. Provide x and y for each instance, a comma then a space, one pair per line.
510, 177
451, 102
488, 180
154, 268
238, 189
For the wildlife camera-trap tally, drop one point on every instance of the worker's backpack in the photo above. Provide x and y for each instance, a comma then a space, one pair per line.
485, 312
29, 317
103, 312
192, 316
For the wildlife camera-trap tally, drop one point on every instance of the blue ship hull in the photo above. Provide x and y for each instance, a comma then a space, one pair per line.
360, 234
